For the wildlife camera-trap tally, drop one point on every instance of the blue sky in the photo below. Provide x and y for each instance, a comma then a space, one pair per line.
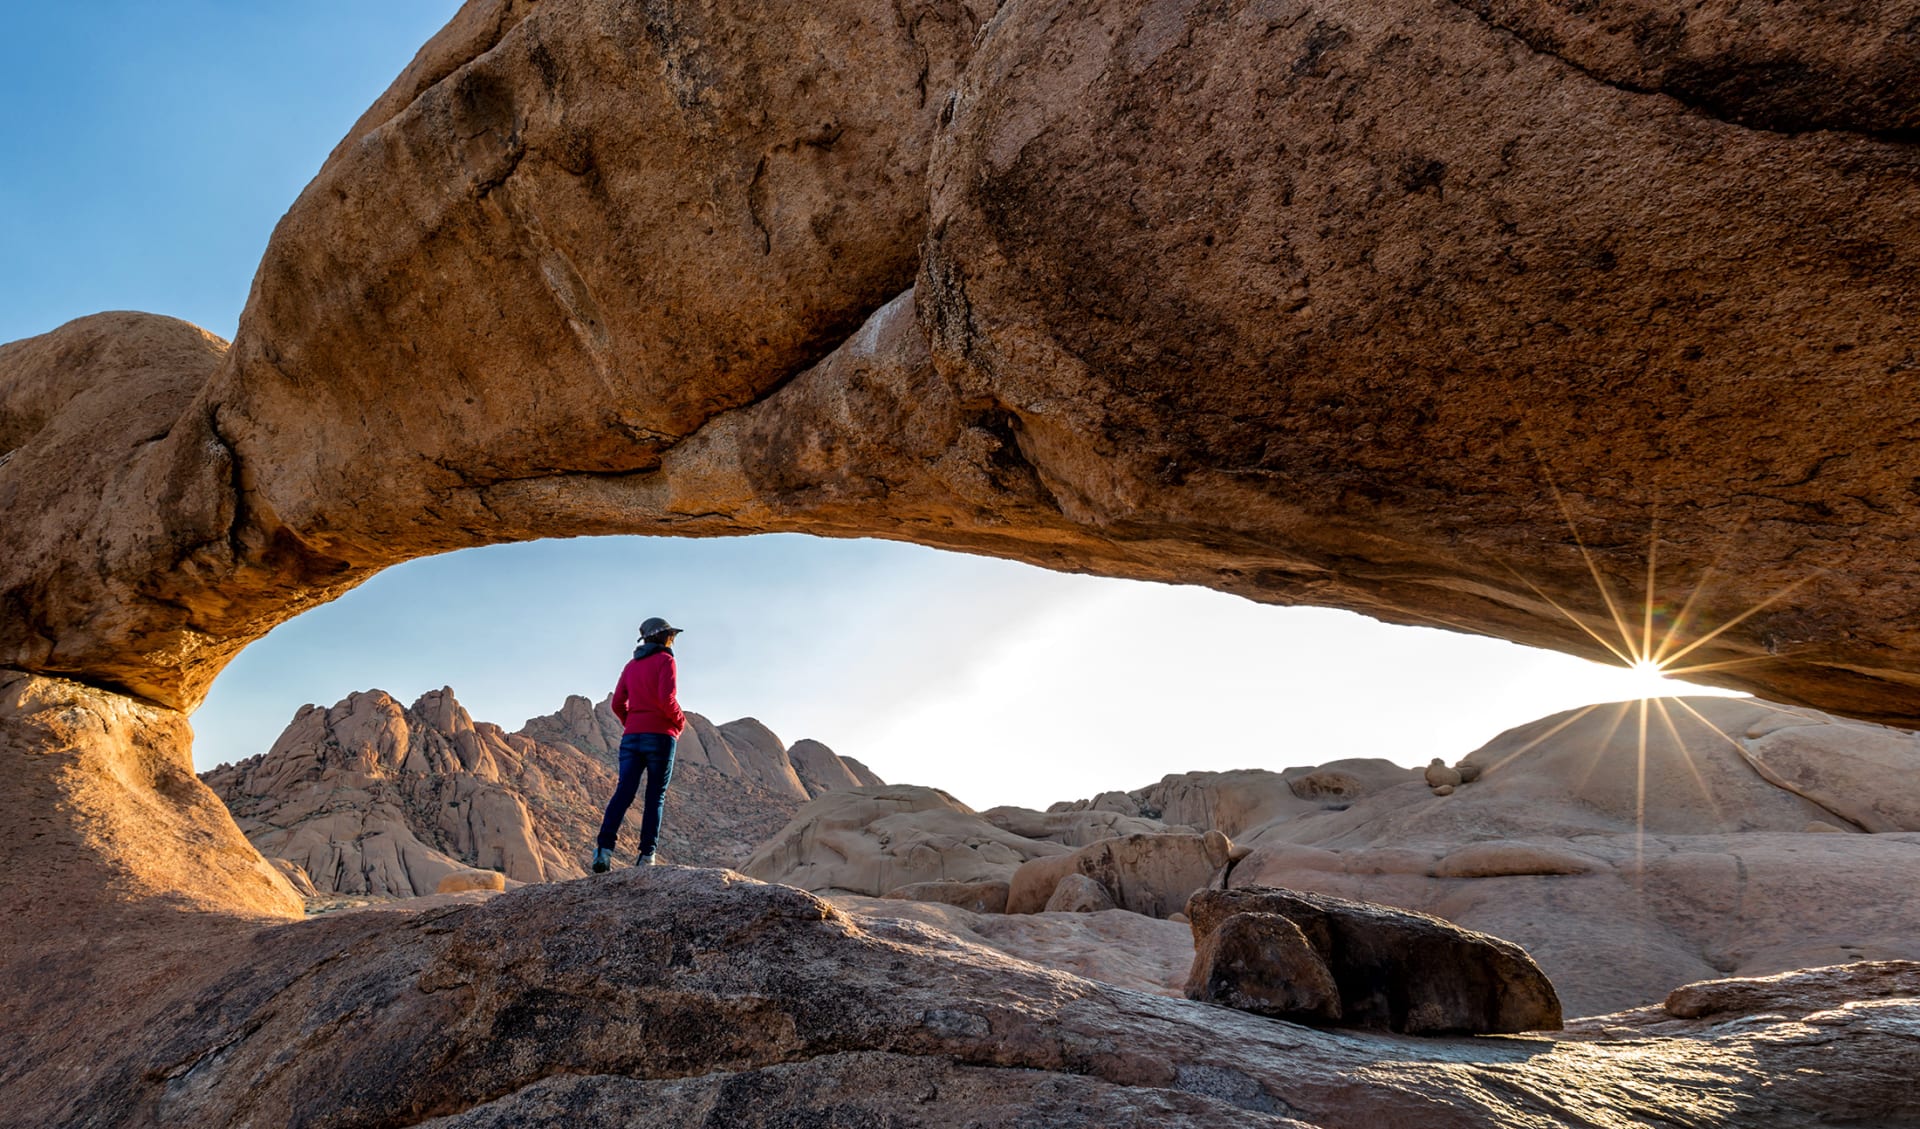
148, 151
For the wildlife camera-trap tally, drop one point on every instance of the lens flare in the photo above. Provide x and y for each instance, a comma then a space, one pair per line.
1650, 642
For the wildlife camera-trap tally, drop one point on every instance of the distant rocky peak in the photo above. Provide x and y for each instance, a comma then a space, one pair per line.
368, 797
745, 748
590, 728
443, 712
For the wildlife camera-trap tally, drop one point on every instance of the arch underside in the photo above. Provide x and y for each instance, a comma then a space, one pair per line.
1311, 317
1496, 318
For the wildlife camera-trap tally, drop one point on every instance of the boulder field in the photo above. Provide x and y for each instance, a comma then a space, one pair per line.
680, 996
1727, 837
1733, 840
1519, 318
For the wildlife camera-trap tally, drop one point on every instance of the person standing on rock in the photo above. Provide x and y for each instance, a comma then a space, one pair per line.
647, 702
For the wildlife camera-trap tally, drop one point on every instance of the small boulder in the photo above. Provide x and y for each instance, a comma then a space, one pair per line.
1263, 963
1443, 790
979, 897
1077, 893
1327, 784
1150, 874
1397, 970
1440, 776
461, 881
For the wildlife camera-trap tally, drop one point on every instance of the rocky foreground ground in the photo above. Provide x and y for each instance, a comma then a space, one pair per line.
1078, 1015
686, 997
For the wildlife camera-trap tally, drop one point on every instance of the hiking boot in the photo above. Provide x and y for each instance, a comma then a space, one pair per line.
644, 860
602, 860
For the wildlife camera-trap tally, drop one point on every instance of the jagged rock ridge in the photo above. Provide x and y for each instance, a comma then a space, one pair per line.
372, 798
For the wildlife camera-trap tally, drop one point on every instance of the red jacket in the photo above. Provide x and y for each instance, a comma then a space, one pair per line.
647, 697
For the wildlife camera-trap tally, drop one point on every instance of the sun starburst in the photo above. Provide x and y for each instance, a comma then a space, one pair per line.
1652, 646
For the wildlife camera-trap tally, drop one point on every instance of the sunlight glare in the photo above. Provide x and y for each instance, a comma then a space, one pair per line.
1649, 680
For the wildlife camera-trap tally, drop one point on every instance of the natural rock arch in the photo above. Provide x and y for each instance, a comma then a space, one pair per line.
1288, 302
1374, 308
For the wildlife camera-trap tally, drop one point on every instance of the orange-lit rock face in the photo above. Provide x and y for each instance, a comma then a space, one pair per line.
569, 235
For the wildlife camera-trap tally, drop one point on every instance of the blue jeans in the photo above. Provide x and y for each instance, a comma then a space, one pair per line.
649, 754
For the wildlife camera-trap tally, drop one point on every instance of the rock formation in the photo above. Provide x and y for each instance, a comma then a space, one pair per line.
1622, 875
1153, 874
905, 841
1076, 893
782, 375
1458, 314
1241, 803
370, 798
875, 840
1625, 875
1263, 963
715, 992
1732, 845
1393, 970
1788, 991
464, 881
1072, 828
1113, 946
976, 897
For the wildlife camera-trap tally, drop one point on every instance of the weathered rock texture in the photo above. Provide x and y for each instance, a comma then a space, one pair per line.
1241, 803
1394, 970
1077, 893
370, 798
1867, 980
651, 218
1263, 963
977, 897
1371, 281
590, 994
1112, 946
1318, 304
874, 840
1153, 874
105, 828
